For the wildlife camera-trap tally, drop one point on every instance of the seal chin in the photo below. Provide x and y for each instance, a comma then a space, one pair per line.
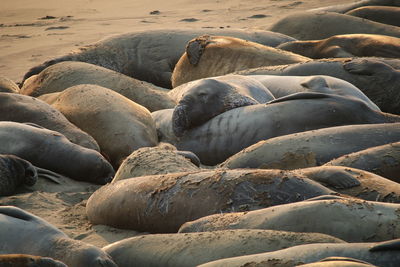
180, 122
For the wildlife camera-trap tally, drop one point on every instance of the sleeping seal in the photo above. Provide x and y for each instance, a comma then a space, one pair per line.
24, 233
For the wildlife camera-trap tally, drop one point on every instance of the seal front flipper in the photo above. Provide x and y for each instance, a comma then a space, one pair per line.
334, 177
297, 96
387, 245
367, 67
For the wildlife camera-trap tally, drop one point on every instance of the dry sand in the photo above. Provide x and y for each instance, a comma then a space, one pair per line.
28, 38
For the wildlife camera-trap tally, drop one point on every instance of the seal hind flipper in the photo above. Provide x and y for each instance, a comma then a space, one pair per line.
50, 175
337, 178
386, 245
195, 48
366, 67
316, 84
296, 96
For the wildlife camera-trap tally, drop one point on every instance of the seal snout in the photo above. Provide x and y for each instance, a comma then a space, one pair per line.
180, 120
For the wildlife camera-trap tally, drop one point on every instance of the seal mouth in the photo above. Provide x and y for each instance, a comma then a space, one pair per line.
180, 121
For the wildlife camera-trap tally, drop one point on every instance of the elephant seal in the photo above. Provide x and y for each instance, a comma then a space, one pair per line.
313, 148
201, 100
162, 203
209, 56
61, 76
374, 253
354, 182
24, 260
343, 8
314, 25
338, 262
382, 14
14, 172
281, 86
349, 219
347, 45
192, 249
378, 79
8, 86
51, 150
25, 233
383, 160
228, 133
20, 108
156, 160
163, 120
151, 55
118, 124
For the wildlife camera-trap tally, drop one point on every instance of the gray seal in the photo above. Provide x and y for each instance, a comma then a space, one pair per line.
25, 233
382, 14
51, 150
15, 172
315, 25
379, 254
151, 55
347, 45
359, 220
21, 108
313, 148
228, 133
377, 78
201, 100
161, 203
192, 249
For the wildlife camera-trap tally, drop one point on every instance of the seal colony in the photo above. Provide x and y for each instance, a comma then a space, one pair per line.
219, 147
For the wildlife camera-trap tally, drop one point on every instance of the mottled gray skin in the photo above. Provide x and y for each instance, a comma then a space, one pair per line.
347, 45
201, 100
25, 260
15, 172
383, 160
342, 8
315, 25
20, 108
151, 55
51, 150
378, 79
313, 148
192, 249
162, 203
281, 86
382, 14
24, 233
368, 252
8, 86
338, 262
228, 133
59, 77
349, 219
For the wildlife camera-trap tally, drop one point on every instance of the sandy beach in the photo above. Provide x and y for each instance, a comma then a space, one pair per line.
32, 32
